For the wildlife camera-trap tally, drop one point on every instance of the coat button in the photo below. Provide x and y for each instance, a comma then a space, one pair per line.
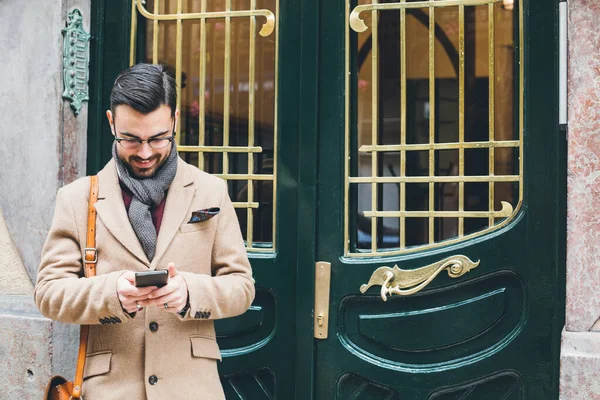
153, 326
152, 379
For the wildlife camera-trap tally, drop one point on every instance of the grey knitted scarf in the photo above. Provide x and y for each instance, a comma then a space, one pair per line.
147, 193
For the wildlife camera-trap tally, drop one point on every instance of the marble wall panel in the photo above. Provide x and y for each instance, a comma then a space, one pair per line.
583, 222
580, 348
580, 366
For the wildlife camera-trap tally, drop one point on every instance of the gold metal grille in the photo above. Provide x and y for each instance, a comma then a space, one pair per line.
164, 14
508, 205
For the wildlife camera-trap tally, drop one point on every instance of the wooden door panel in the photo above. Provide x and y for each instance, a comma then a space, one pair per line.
489, 334
352, 386
257, 385
426, 180
232, 133
501, 386
451, 324
251, 330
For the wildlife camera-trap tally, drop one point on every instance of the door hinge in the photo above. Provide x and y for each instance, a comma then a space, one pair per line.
563, 65
322, 284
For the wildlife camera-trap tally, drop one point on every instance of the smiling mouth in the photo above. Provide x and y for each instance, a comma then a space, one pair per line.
144, 163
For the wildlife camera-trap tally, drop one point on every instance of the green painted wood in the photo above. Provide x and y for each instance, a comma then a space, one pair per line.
305, 16
543, 23
109, 55
270, 352
258, 348
494, 334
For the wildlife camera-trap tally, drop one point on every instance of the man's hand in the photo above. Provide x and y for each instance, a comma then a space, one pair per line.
172, 297
130, 295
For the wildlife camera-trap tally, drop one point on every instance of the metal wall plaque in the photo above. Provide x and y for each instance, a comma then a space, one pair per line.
76, 46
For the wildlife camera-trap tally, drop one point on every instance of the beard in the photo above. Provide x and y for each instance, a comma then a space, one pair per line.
157, 161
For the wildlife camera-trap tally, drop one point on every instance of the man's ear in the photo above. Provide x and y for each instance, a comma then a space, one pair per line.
176, 119
110, 121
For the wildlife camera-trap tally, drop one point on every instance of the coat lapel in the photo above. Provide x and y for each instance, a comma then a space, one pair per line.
111, 210
179, 197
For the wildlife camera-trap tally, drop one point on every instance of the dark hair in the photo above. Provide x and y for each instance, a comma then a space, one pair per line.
144, 87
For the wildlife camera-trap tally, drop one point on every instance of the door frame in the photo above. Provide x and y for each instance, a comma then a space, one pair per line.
308, 155
309, 122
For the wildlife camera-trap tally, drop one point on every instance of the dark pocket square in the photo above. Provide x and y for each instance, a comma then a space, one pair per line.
204, 215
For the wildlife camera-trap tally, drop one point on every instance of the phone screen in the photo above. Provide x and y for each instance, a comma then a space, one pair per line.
156, 278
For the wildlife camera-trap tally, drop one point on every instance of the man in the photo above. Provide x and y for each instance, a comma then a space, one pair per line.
154, 211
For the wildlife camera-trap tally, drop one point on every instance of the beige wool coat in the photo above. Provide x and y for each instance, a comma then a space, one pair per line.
124, 355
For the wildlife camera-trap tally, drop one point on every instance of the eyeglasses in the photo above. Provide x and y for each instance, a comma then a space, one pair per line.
155, 143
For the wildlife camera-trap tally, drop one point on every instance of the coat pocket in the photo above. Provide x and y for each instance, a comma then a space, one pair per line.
205, 347
196, 226
97, 364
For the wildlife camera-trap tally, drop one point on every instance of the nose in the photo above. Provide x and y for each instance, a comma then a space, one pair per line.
144, 151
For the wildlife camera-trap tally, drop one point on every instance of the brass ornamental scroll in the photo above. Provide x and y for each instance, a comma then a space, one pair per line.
402, 282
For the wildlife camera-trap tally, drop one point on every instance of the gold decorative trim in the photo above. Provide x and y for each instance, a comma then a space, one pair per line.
358, 25
440, 146
221, 149
354, 23
244, 177
492, 105
505, 212
267, 28
240, 204
322, 286
432, 110
436, 179
403, 282
132, 33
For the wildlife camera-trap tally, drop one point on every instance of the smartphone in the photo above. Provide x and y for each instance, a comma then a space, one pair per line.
156, 278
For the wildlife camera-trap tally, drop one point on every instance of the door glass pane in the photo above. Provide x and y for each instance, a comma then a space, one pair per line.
226, 68
432, 124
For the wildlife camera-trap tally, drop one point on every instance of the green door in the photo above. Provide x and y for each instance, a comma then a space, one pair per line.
232, 129
440, 201
422, 140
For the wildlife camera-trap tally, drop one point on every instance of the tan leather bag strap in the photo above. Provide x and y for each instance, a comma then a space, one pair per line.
90, 259
91, 255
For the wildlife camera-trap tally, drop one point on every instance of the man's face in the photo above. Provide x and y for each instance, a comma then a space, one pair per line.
144, 161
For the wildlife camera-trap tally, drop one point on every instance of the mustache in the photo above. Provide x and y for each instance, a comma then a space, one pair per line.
135, 158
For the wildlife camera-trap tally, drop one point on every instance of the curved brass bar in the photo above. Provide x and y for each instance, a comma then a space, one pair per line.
506, 211
407, 282
267, 28
358, 25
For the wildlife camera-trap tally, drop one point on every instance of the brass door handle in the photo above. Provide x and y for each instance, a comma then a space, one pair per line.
322, 284
403, 282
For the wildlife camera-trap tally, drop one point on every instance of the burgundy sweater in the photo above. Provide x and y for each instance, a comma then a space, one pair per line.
157, 212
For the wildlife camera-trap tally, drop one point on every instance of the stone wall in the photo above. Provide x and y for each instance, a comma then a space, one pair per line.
43, 148
580, 352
